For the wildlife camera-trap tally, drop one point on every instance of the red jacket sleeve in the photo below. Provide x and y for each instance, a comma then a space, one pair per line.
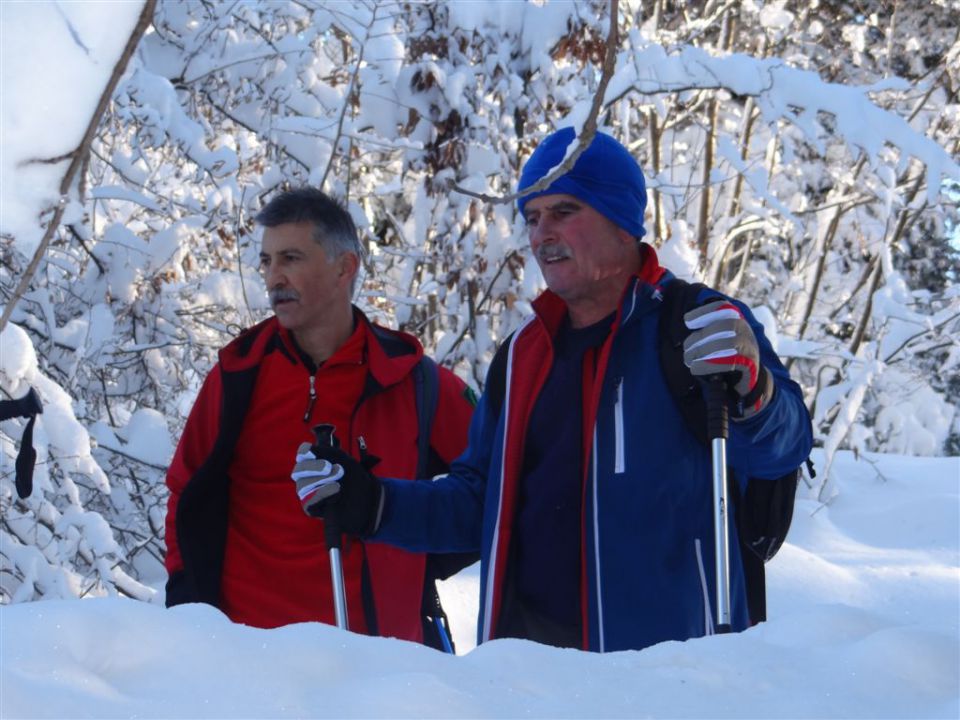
455, 404
194, 447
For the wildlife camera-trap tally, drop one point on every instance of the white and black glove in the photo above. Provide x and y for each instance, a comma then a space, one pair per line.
722, 343
330, 480
317, 479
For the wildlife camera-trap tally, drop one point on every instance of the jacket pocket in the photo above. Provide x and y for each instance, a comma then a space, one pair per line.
619, 459
704, 590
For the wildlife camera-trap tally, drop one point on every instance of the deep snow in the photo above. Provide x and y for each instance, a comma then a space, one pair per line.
865, 622
864, 599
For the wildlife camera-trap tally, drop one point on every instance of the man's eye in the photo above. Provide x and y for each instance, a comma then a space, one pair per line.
531, 221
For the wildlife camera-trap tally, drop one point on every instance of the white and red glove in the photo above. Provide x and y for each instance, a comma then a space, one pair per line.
722, 343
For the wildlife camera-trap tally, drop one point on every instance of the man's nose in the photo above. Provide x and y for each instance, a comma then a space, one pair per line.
274, 277
542, 232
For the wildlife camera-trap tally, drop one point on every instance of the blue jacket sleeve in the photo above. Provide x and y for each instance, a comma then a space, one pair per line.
445, 514
778, 438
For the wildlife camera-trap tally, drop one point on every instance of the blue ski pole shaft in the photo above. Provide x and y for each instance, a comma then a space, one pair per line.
444, 637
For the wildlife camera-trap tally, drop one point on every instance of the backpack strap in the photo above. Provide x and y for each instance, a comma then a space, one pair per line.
679, 296
436, 626
426, 390
495, 386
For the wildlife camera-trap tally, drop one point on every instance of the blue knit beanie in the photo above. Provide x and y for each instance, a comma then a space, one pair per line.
605, 176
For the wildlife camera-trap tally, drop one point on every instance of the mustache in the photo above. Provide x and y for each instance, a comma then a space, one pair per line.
552, 252
281, 294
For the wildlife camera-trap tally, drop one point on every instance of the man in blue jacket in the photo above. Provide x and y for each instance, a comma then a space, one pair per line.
590, 500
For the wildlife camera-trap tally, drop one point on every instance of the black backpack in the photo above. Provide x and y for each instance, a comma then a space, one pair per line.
436, 626
764, 512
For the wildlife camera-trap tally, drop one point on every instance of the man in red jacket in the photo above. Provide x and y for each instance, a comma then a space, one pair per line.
236, 536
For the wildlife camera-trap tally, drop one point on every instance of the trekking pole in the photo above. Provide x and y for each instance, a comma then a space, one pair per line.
444, 637
436, 615
331, 531
717, 431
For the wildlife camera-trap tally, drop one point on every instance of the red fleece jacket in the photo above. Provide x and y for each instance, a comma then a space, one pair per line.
275, 567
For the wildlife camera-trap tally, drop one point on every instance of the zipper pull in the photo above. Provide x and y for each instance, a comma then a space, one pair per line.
368, 460
311, 401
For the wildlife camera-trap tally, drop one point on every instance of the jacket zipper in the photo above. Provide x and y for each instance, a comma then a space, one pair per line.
311, 400
619, 462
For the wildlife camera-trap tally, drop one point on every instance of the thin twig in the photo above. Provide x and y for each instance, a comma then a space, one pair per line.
346, 100
487, 295
586, 134
925, 331
83, 243
121, 453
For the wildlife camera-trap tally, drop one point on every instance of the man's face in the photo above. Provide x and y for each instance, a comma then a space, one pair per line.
306, 287
581, 253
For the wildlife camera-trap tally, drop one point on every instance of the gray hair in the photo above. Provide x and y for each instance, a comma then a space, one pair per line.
333, 228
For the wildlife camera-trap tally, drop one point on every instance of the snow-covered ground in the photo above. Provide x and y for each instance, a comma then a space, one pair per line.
865, 622
864, 600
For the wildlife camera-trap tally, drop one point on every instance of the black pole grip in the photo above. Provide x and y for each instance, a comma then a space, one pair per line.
717, 411
331, 527
325, 438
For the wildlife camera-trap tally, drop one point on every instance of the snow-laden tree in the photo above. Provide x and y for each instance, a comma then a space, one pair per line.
799, 155
78, 532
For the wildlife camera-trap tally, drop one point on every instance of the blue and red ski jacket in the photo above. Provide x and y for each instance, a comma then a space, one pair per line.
647, 545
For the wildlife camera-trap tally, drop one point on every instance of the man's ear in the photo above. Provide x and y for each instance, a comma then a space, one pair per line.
625, 237
349, 265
